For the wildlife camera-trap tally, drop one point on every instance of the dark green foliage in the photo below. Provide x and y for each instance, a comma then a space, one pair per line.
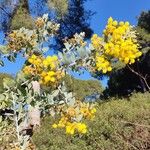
75, 21
144, 20
82, 88
120, 124
120, 84
60, 6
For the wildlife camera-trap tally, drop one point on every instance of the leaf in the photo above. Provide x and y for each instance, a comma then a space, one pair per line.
0, 119
72, 58
3, 49
60, 55
55, 93
3, 105
61, 102
29, 100
2, 97
69, 95
82, 53
45, 49
8, 83
63, 87
11, 58
71, 102
19, 92
52, 112
67, 45
50, 99
29, 85
20, 77
79, 118
1, 63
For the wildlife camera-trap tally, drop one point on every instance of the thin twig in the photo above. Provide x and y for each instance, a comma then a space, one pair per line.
5, 11
136, 124
126, 142
141, 76
15, 117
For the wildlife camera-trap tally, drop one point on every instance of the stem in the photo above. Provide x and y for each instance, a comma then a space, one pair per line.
19, 137
15, 118
141, 76
142, 82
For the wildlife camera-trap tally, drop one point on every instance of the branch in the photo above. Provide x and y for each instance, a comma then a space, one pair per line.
9, 15
141, 76
136, 124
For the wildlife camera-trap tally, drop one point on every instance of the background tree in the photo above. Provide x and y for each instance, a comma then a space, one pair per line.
70, 14
21, 16
82, 88
6, 10
76, 20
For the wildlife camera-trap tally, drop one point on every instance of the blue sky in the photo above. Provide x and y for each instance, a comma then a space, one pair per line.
121, 10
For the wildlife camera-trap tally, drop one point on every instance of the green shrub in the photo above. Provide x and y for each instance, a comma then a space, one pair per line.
2, 76
120, 124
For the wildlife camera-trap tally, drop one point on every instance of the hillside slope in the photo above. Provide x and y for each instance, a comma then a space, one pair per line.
82, 88
120, 124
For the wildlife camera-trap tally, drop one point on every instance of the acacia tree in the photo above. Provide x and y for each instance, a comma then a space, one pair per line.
25, 96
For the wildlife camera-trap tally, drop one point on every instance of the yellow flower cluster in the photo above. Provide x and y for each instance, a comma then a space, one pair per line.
69, 117
96, 42
88, 112
122, 43
102, 64
39, 22
73, 127
23, 38
80, 127
45, 69
77, 40
118, 41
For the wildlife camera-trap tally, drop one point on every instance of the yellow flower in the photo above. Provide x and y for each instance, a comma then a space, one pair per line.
61, 125
47, 78
109, 69
54, 125
45, 69
127, 23
70, 129
119, 44
121, 23
96, 41
93, 110
110, 20
52, 79
51, 73
115, 23
82, 128
71, 112
102, 64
